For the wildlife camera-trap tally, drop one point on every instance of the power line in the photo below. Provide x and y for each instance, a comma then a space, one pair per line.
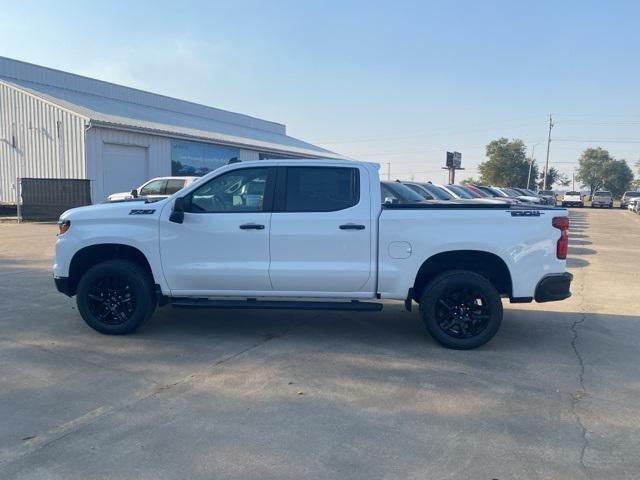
449, 130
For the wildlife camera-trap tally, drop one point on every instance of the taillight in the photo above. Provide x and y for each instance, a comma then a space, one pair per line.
562, 246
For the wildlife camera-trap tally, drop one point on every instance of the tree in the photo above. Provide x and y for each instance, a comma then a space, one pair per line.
600, 170
591, 168
617, 177
507, 164
553, 176
636, 182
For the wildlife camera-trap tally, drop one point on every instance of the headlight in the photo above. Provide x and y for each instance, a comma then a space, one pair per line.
63, 226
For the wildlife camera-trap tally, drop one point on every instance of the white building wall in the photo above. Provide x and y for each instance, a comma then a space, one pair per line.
37, 139
158, 155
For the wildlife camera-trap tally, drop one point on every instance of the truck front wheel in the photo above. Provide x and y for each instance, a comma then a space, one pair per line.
461, 309
116, 297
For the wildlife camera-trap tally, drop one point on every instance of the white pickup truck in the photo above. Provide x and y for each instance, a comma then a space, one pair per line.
310, 234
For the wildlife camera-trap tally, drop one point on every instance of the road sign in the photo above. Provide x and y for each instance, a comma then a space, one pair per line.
454, 159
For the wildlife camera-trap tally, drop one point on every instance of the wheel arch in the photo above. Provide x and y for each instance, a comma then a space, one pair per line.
484, 263
91, 255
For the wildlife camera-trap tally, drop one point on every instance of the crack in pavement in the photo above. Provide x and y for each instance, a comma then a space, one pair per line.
582, 391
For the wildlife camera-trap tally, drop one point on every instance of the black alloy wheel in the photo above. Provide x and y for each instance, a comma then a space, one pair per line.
116, 297
111, 299
462, 312
461, 309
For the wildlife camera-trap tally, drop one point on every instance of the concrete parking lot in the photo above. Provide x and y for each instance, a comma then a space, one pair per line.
277, 395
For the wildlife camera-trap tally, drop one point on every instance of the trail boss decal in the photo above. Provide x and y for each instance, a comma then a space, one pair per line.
525, 213
142, 211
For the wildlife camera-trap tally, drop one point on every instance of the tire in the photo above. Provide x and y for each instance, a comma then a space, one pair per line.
116, 297
447, 311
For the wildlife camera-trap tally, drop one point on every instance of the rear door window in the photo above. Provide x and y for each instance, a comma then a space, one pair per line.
320, 189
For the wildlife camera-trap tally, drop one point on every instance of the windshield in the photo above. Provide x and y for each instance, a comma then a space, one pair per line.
439, 193
494, 191
400, 191
573, 193
512, 192
460, 191
632, 194
545, 192
603, 194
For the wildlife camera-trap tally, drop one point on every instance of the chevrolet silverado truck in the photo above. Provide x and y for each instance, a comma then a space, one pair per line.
310, 234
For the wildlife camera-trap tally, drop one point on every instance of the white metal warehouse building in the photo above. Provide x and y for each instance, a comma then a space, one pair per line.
55, 124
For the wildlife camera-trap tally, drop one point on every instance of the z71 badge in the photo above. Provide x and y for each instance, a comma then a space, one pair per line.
525, 213
141, 212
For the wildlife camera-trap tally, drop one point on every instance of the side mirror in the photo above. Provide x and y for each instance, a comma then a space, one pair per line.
390, 200
177, 211
134, 193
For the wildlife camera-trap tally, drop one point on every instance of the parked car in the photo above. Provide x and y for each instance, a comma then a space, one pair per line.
160, 187
512, 192
548, 197
634, 205
626, 198
602, 198
497, 194
321, 234
429, 191
396, 192
572, 199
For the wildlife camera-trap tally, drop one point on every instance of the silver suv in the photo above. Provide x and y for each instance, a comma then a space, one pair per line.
602, 198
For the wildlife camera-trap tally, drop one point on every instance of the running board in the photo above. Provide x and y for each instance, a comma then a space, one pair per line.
353, 305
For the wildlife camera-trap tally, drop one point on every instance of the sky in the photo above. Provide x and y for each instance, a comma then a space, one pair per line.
397, 82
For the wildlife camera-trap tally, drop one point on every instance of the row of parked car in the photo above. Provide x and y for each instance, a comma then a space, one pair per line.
401, 192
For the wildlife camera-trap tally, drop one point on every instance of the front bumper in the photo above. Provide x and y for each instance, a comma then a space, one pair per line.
554, 287
63, 285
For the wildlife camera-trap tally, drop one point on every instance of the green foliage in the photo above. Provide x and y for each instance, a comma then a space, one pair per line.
471, 180
618, 177
553, 176
507, 165
591, 168
599, 170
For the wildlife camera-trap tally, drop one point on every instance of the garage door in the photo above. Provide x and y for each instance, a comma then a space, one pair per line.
125, 167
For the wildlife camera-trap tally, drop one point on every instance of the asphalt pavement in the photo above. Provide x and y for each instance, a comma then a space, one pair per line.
284, 395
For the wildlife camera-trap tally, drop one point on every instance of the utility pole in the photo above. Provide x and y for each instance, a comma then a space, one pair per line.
573, 180
388, 170
533, 150
546, 163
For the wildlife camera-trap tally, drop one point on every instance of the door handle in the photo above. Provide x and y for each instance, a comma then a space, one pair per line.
251, 226
351, 226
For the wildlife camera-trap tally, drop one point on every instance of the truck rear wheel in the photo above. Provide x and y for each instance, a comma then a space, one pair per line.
116, 297
461, 309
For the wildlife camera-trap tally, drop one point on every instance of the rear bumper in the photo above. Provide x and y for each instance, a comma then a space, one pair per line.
63, 285
554, 287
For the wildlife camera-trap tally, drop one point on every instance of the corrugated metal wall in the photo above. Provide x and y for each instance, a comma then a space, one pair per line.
158, 155
248, 155
37, 140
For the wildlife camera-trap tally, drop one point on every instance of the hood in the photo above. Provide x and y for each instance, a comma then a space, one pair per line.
116, 209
